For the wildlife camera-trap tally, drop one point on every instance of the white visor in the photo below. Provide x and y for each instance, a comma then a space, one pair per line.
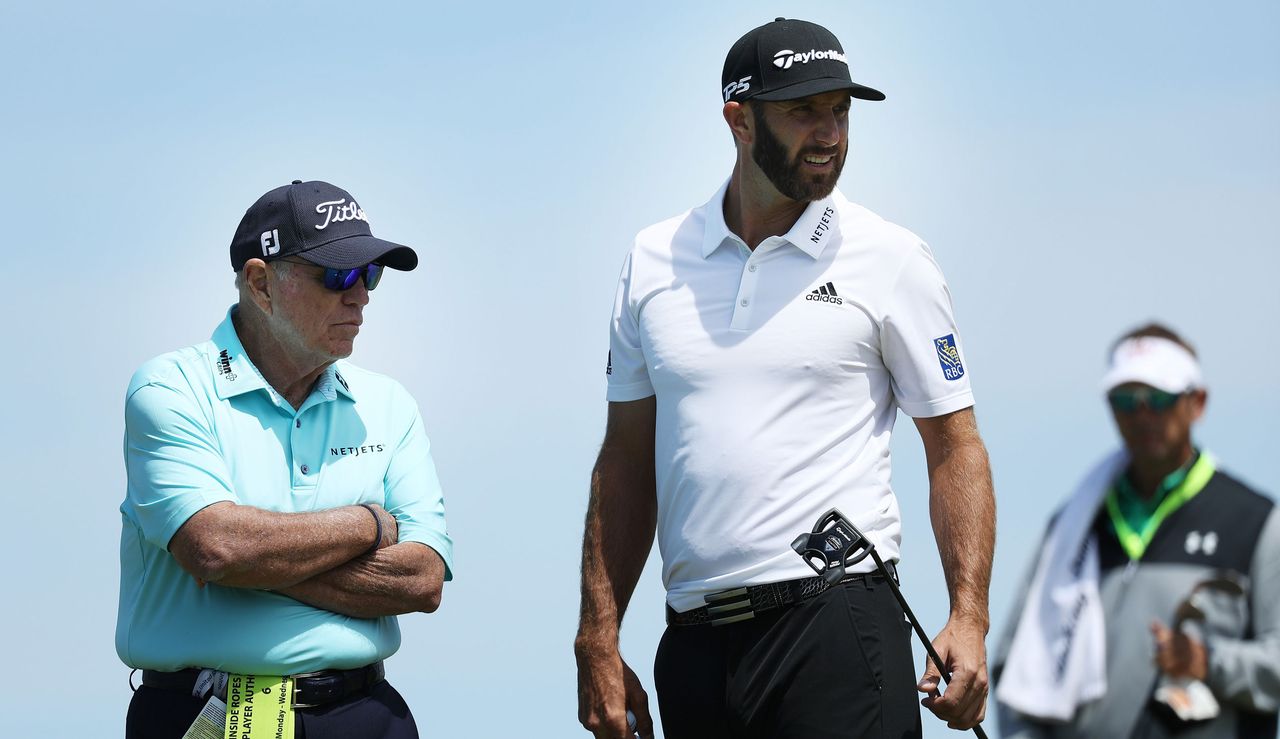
1150, 360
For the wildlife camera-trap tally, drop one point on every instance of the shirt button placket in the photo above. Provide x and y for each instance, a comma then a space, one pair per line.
295, 444
746, 291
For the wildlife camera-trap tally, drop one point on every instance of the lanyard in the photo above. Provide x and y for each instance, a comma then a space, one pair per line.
1135, 542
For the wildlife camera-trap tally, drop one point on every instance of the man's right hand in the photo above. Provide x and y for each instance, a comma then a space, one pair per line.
622, 515
607, 687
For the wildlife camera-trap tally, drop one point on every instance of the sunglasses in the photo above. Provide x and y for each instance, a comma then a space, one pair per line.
1128, 401
345, 279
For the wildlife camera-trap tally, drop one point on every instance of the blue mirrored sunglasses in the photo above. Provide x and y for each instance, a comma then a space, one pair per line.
344, 279
1128, 400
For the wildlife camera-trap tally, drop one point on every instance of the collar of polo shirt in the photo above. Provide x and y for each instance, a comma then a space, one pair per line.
815, 228
234, 374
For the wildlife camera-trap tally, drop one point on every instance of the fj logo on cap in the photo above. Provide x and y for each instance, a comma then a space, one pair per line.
949, 357
336, 211
785, 58
270, 242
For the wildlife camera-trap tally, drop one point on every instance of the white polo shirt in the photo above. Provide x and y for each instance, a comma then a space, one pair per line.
778, 375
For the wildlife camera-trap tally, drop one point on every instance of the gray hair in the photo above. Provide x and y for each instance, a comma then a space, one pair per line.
283, 267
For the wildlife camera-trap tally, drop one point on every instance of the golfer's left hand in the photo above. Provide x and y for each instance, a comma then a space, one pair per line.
963, 705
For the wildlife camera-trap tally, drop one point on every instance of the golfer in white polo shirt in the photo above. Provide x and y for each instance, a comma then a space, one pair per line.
761, 347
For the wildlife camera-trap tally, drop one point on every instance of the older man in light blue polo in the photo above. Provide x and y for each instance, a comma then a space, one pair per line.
282, 505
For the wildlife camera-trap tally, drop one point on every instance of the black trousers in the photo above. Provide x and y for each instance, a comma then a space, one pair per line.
381, 713
836, 666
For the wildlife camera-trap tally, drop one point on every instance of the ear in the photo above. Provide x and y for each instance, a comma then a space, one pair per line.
257, 284
1198, 400
740, 122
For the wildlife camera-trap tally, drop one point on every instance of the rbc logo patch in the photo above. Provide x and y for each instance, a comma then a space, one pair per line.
949, 357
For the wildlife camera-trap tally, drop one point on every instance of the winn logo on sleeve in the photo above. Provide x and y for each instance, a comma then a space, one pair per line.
949, 357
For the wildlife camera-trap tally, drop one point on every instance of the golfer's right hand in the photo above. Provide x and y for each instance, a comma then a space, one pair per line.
962, 646
607, 687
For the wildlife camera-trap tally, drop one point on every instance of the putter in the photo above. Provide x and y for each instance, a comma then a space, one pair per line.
835, 544
1188, 610
1189, 699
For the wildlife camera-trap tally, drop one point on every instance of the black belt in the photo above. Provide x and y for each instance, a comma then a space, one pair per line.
741, 604
309, 690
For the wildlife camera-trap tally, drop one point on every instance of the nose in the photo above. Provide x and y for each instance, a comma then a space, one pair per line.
357, 294
830, 129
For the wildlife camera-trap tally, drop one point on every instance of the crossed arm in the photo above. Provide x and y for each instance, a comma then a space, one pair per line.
321, 558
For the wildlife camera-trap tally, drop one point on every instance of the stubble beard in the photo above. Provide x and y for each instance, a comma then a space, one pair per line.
788, 175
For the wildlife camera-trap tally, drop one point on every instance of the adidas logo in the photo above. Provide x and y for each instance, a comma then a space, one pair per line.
825, 294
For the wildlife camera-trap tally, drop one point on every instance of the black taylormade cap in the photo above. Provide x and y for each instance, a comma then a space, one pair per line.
318, 222
785, 60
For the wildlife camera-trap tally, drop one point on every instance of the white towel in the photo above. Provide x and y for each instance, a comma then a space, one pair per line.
1058, 657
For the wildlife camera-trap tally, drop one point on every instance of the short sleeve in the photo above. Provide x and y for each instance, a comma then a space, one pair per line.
920, 342
626, 371
414, 495
173, 461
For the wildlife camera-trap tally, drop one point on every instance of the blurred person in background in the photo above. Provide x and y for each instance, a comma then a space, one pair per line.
1153, 608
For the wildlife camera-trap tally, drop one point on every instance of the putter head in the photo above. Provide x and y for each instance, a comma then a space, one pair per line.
834, 544
1226, 582
1187, 611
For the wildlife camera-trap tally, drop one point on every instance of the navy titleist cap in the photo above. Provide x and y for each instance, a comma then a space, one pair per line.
785, 60
318, 222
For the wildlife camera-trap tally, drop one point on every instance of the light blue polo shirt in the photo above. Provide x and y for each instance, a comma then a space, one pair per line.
203, 426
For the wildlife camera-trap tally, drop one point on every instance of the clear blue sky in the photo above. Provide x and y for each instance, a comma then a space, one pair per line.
1077, 168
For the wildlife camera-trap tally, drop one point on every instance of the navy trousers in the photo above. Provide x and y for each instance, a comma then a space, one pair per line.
381, 713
